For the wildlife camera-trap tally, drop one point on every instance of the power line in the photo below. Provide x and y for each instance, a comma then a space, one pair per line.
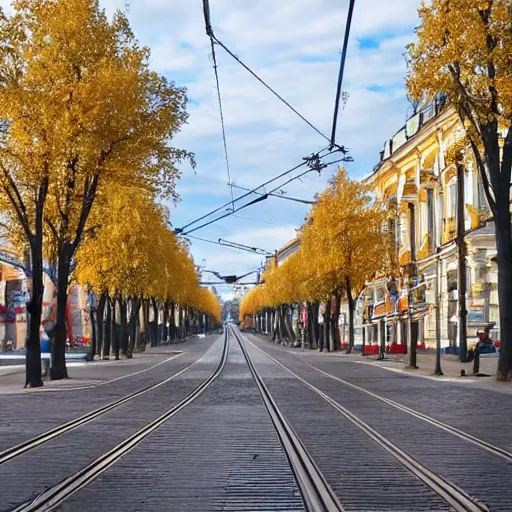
279, 196
342, 69
314, 164
306, 160
209, 31
215, 66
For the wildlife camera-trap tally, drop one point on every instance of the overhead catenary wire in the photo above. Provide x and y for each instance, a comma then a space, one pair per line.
215, 68
314, 164
254, 201
341, 71
306, 160
278, 195
213, 37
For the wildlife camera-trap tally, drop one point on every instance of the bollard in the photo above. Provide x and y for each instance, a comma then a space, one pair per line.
476, 360
45, 367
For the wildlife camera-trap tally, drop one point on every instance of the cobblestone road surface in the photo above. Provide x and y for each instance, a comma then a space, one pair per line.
24, 415
221, 452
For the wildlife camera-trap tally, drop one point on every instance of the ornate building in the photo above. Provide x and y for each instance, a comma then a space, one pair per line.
419, 188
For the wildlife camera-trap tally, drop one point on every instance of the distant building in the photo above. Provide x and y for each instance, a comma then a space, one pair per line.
284, 252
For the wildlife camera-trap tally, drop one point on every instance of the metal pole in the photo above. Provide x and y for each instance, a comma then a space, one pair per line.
462, 274
342, 70
411, 348
438, 370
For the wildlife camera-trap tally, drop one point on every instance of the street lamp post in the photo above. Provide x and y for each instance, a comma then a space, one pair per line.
438, 370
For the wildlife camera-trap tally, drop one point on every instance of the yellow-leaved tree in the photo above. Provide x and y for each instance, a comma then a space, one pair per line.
133, 261
345, 232
463, 51
81, 110
342, 246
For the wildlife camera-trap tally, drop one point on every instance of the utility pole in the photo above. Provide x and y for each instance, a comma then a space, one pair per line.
412, 341
438, 370
461, 254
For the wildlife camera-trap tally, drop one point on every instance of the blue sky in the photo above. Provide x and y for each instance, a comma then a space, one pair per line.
295, 46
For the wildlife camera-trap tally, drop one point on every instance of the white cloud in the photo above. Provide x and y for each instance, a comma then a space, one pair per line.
295, 47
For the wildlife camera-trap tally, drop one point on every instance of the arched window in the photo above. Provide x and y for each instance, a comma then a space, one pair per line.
452, 198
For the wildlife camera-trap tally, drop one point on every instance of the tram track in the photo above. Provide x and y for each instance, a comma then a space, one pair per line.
36, 441
316, 492
458, 499
58, 493
459, 433
315, 489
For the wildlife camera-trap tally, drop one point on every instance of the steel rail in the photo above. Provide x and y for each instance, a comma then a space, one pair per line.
26, 446
55, 495
459, 499
466, 436
317, 494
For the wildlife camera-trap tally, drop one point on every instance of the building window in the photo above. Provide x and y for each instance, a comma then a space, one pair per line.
430, 220
412, 230
452, 197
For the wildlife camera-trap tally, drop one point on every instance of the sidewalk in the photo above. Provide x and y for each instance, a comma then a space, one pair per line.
450, 365
91, 374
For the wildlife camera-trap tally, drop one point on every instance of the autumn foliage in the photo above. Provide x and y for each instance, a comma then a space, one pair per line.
342, 246
84, 118
463, 52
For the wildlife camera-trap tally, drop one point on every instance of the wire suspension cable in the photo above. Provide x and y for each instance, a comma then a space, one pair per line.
341, 72
243, 196
279, 196
209, 31
215, 68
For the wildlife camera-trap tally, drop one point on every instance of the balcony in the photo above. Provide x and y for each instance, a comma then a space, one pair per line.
450, 230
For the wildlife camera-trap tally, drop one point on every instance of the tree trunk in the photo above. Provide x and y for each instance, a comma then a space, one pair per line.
504, 246
144, 337
123, 342
499, 201
33, 349
461, 253
274, 326
180, 322
153, 326
172, 324
187, 322
100, 325
335, 324
94, 333
132, 326
313, 322
351, 308
107, 329
288, 323
58, 370
327, 325
165, 332
115, 330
